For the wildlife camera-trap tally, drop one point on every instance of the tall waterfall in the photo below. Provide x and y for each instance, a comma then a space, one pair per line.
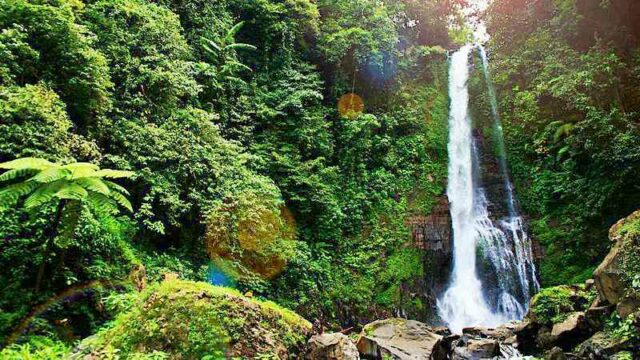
501, 243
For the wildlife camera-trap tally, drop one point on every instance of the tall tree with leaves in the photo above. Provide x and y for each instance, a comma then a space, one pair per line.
70, 187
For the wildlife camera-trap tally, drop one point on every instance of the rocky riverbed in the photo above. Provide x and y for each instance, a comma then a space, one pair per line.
595, 320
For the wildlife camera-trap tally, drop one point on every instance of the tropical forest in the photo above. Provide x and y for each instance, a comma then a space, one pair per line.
320, 179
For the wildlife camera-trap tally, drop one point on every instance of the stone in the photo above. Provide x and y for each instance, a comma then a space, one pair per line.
601, 345
627, 306
572, 325
596, 316
475, 348
589, 284
525, 333
331, 346
555, 353
500, 333
609, 276
400, 339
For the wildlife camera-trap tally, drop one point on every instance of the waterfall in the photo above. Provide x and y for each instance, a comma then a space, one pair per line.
504, 244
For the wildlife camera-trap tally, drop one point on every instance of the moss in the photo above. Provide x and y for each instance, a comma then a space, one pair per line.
553, 305
186, 319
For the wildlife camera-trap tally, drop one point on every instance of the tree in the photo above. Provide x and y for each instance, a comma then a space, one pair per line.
71, 186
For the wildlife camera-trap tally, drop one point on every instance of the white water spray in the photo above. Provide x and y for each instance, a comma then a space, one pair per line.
504, 244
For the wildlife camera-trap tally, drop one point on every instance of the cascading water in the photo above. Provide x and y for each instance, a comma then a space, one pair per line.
503, 243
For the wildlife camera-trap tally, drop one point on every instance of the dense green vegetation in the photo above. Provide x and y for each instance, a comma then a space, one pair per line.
243, 170
566, 72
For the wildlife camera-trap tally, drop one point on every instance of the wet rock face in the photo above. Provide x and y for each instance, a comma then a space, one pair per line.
400, 339
433, 235
331, 346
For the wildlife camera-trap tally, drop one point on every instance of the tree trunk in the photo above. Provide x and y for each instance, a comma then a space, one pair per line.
49, 244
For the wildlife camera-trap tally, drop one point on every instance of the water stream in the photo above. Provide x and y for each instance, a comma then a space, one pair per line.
501, 242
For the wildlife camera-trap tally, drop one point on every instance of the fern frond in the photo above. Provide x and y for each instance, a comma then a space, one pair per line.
72, 191
80, 170
16, 173
94, 184
9, 195
50, 175
27, 163
121, 200
43, 193
116, 187
101, 204
113, 174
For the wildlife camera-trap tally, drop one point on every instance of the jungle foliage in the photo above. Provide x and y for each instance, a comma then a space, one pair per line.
226, 113
567, 75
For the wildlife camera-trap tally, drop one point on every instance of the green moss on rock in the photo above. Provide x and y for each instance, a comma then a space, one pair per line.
553, 305
194, 320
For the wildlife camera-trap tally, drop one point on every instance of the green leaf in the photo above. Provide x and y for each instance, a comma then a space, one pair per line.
240, 46
10, 194
113, 174
80, 170
43, 193
16, 173
120, 199
72, 192
27, 163
116, 187
94, 184
101, 204
50, 175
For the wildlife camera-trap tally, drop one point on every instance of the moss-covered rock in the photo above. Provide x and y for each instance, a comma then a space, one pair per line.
192, 320
618, 276
553, 305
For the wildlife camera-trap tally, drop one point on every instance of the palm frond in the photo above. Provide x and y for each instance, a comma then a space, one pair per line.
229, 37
212, 44
239, 65
94, 184
27, 163
240, 46
113, 174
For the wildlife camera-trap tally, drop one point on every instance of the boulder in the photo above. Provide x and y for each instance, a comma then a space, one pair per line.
596, 316
555, 353
601, 345
191, 320
400, 339
572, 325
627, 306
501, 333
331, 346
611, 277
475, 348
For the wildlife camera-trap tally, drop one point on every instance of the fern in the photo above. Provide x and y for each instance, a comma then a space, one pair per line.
71, 185
26, 163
